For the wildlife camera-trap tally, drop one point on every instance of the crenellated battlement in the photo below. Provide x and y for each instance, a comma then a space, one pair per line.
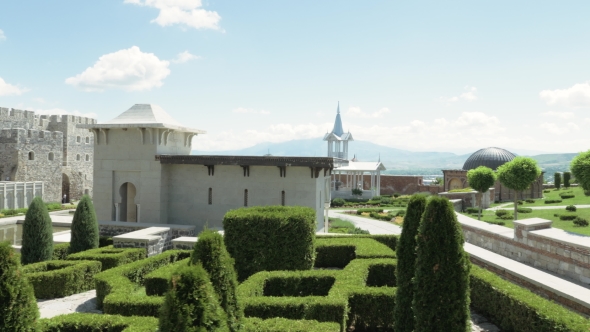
68, 119
19, 135
17, 114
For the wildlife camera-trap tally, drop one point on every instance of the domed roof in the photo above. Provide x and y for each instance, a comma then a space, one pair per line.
489, 157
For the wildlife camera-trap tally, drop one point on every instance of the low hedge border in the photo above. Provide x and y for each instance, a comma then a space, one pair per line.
339, 251
79, 322
60, 251
118, 290
368, 210
389, 240
110, 257
254, 324
514, 308
156, 282
53, 279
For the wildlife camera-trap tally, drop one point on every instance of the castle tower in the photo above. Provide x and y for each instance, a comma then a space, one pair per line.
338, 139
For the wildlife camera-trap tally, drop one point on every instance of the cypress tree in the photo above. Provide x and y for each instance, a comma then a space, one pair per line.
37, 244
406, 259
84, 227
18, 306
210, 251
191, 304
566, 179
441, 284
557, 180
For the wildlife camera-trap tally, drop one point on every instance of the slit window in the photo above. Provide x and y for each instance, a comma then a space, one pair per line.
78, 157
210, 196
31, 155
87, 140
245, 197
283, 198
77, 139
87, 157
50, 156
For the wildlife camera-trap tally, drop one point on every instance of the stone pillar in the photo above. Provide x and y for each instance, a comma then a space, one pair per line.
523, 227
137, 212
117, 216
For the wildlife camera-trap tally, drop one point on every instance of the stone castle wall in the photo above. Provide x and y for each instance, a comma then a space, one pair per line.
398, 184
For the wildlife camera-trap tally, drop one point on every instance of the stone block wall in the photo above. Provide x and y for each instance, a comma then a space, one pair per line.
154, 239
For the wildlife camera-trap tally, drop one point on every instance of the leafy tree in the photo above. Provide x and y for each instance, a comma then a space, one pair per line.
518, 174
191, 304
566, 179
438, 181
406, 259
84, 227
357, 192
580, 168
37, 243
481, 179
441, 281
18, 306
210, 251
557, 180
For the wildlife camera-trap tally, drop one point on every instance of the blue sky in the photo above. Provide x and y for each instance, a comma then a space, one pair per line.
424, 75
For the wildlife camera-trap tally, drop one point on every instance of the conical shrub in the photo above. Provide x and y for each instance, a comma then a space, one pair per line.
210, 251
18, 306
191, 304
406, 259
441, 282
37, 243
84, 227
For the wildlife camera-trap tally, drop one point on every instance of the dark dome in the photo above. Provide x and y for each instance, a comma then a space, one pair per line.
489, 157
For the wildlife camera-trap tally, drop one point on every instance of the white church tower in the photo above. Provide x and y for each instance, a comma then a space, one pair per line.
338, 139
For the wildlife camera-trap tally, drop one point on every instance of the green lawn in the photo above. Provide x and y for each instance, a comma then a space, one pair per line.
554, 194
545, 214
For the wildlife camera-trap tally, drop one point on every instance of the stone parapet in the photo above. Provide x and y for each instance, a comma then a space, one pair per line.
184, 243
114, 228
154, 239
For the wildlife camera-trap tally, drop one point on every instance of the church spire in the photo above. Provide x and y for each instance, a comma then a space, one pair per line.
338, 131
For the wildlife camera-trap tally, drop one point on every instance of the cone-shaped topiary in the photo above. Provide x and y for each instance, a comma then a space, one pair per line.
191, 304
441, 282
37, 244
18, 306
84, 227
210, 251
406, 259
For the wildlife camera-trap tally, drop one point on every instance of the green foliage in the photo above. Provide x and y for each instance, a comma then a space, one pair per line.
337, 252
37, 242
546, 191
471, 210
84, 227
191, 303
270, 238
529, 200
344, 227
500, 213
156, 282
105, 241
53, 279
406, 265
338, 202
254, 324
357, 192
567, 195
441, 294
524, 210
566, 179
210, 251
568, 217
580, 222
481, 178
557, 180
78, 322
552, 201
514, 308
571, 208
580, 168
60, 251
368, 210
110, 257
461, 190
18, 307
518, 174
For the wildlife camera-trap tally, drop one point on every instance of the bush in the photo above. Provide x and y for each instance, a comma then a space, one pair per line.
37, 243
568, 217
406, 254
60, 251
566, 196
338, 202
357, 192
580, 222
557, 180
507, 217
254, 324
18, 307
105, 241
110, 257
375, 215
500, 213
368, 210
279, 237
210, 251
191, 303
566, 179
546, 191
400, 213
586, 192
552, 201
84, 227
156, 282
472, 210
92, 322
53, 279
500, 223
337, 252
441, 296
529, 201
525, 210
571, 208
520, 202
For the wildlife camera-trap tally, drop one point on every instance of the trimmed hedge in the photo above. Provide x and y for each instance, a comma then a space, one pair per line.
390, 240
339, 251
60, 251
117, 290
472, 210
110, 257
552, 201
156, 282
501, 213
580, 222
568, 217
53, 279
524, 210
254, 324
78, 322
269, 238
566, 196
368, 210
513, 308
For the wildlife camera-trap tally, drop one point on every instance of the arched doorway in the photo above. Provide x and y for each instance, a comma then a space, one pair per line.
455, 184
128, 210
65, 188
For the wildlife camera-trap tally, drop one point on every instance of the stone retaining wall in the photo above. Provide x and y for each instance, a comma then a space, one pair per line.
184, 243
114, 228
154, 239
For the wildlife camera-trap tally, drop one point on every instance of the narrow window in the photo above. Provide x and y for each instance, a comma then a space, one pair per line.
245, 197
78, 157
31, 155
283, 198
210, 196
86, 192
50, 156
77, 139
87, 139
87, 157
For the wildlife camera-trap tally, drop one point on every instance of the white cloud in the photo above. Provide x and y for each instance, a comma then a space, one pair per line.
561, 115
10, 90
559, 129
185, 57
576, 96
470, 94
356, 112
2, 35
128, 69
186, 12
249, 111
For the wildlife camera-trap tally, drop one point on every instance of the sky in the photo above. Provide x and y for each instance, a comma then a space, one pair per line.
450, 76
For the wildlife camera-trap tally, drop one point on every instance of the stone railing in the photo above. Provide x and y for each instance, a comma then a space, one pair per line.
114, 228
154, 239
184, 243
